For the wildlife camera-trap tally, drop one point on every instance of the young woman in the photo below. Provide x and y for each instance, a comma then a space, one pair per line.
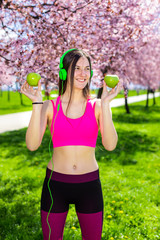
74, 120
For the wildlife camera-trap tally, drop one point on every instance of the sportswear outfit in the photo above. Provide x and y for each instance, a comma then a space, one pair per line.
83, 190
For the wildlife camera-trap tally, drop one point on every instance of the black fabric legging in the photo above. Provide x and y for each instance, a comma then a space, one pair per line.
84, 191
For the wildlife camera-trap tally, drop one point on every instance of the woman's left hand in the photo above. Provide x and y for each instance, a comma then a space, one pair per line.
107, 96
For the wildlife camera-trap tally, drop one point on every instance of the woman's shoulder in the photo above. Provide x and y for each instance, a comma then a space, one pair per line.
48, 107
49, 103
95, 100
97, 107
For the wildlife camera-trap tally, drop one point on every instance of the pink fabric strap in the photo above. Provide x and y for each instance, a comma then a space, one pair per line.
52, 104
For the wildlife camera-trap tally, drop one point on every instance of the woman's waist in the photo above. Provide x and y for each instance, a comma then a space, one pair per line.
73, 166
72, 178
70, 153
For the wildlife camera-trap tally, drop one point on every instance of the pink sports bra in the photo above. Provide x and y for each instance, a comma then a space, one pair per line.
81, 131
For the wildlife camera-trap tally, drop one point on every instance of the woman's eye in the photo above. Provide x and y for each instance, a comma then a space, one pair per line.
77, 68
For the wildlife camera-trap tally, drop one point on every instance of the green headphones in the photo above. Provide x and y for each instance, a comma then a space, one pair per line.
63, 72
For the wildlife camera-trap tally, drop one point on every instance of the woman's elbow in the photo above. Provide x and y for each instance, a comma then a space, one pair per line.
111, 146
32, 147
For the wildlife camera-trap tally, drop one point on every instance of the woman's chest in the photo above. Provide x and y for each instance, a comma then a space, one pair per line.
74, 112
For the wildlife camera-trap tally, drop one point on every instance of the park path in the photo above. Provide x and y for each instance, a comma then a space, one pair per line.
16, 121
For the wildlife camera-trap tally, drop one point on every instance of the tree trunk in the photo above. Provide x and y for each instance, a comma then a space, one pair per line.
20, 94
47, 94
1, 92
9, 94
154, 99
100, 90
126, 105
21, 99
126, 98
147, 101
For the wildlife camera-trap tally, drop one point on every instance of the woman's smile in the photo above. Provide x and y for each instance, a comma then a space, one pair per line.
81, 80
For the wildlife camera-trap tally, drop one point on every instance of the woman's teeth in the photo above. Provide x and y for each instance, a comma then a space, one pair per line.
80, 80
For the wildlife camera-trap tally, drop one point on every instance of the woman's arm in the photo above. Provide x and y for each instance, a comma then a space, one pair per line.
108, 131
39, 117
37, 125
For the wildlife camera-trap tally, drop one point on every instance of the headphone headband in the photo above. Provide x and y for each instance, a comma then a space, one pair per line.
61, 59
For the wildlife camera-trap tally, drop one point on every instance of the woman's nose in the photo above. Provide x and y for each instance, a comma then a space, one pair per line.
83, 72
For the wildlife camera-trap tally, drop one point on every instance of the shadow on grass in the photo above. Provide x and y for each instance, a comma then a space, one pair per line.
14, 145
139, 114
129, 142
20, 220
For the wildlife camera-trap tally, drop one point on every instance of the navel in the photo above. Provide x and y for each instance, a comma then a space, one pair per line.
74, 166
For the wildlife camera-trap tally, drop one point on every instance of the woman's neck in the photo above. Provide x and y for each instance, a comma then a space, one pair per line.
75, 99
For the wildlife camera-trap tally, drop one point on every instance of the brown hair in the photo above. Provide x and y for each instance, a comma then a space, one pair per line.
69, 62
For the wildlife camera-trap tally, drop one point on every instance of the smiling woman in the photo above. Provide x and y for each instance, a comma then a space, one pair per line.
72, 174
78, 70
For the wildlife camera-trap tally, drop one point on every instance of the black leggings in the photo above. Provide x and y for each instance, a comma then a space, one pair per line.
84, 191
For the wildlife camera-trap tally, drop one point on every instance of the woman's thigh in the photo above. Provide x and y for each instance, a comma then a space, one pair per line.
54, 211
89, 197
89, 208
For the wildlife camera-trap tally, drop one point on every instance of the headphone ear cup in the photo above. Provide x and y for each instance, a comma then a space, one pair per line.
91, 73
63, 74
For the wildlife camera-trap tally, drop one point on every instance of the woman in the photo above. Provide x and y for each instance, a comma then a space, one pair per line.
74, 120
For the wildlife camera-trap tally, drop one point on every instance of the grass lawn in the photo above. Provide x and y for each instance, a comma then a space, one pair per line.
130, 177
14, 105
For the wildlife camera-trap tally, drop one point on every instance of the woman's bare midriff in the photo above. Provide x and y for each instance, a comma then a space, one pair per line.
73, 159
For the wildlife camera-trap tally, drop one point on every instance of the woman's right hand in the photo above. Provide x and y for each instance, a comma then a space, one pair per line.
34, 95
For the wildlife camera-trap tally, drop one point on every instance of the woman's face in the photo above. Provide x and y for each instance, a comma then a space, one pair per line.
81, 73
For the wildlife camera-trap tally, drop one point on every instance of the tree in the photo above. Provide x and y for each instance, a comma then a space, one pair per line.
110, 32
144, 68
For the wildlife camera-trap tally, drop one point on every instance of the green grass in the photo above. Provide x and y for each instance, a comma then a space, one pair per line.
129, 175
14, 105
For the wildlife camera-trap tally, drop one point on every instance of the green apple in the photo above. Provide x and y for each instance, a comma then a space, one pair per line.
111, 80
33, 79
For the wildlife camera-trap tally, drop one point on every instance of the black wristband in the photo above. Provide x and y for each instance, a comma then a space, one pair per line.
37, 102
